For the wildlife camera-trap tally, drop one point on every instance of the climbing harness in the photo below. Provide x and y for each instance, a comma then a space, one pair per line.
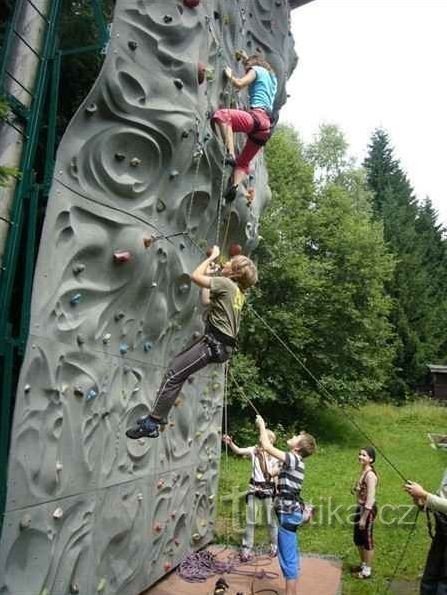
257, 128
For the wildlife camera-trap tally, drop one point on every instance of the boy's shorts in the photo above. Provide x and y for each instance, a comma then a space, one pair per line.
364, 537
288, 546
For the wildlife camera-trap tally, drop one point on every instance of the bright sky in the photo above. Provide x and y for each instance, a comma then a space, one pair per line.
370, 63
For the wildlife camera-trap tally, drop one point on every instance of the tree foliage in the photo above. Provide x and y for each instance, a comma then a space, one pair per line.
418, 285
323, 265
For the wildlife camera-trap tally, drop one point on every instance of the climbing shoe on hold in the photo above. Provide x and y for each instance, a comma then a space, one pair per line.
231, 192
146, 427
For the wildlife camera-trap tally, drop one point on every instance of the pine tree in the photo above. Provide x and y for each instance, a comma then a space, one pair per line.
417, 244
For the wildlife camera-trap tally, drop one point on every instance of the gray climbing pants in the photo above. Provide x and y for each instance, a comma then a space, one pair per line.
207, 349
254, 504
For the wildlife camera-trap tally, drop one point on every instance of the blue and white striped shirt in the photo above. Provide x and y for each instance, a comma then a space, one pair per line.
290, 481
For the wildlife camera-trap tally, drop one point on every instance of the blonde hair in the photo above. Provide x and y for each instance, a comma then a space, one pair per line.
307, 446
243, 271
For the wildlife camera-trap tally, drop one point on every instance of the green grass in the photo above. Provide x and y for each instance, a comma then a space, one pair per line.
401, 433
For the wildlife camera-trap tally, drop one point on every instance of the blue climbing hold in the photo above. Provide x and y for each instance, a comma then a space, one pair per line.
124, 348
92, 394
75, 299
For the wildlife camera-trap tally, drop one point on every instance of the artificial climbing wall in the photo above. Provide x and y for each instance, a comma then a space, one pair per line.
136, 197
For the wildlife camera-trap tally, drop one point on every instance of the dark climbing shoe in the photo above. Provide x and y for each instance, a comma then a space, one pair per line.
146, 428
230, 160
231, 193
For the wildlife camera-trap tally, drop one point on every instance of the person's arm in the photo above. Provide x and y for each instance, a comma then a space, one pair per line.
205, 297
371, 484
236, 449
199, 275
424, 498
265, 442
204, 292
275, 468
244, 81
436, 503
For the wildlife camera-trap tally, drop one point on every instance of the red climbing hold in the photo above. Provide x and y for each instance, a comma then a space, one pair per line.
191, 3
201, 72
235, 250
121, 256
167, 566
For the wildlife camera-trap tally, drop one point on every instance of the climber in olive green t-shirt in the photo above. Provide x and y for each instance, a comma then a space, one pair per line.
224, 295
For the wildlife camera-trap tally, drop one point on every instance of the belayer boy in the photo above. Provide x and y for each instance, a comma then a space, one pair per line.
225, 296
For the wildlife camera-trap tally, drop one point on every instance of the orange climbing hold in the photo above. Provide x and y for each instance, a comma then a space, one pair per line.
201, 72
148, 241
235, 250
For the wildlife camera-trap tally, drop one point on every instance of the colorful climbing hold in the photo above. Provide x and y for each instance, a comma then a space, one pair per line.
191, 3
25, 522
120, 156
201, 70
235, 250
167, 18
148, 241
78, 268
147, 346
121, 256
135, 162
92, 394
119, 315
178, 83
158, 527
167, 566
58, 513
106, 338
124, 348
75, 299
132, 45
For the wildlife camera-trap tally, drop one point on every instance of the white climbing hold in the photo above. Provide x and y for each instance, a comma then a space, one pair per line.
58, 513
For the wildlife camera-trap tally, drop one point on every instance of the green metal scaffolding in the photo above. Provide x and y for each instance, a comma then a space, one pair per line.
39, 128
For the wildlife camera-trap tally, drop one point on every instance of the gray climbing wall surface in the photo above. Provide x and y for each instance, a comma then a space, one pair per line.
89, 511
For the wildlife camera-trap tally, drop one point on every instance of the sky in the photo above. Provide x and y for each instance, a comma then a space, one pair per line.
365, 64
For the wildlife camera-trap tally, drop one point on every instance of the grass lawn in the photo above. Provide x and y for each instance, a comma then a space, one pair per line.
401, 433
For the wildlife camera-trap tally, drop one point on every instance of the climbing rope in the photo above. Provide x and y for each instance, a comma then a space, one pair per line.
241, 390
324, 390
403, 552
197, 567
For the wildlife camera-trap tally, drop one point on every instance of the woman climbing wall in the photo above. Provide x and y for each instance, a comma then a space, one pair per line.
256, 122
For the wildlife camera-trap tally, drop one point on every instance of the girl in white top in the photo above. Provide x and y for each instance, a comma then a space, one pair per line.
264, 469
